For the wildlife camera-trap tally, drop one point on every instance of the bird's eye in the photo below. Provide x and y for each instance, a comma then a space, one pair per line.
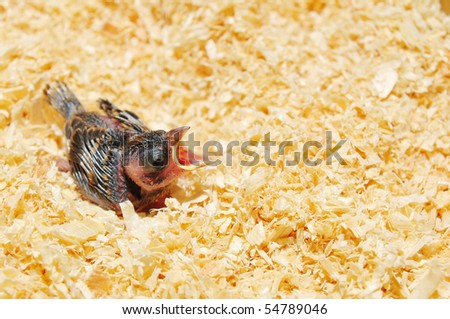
158, 163
157, 160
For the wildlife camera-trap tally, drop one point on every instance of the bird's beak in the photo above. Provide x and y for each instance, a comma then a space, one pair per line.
185, 158
174, 136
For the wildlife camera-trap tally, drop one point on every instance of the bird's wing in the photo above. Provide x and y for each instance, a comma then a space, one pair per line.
63, 100
95, 158
128, 119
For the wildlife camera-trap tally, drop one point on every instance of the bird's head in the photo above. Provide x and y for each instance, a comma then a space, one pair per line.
154, 159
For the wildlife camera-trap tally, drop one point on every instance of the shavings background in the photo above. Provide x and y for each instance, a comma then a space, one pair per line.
374, 73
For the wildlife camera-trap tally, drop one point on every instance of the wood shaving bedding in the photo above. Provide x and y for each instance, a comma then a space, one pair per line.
373, 73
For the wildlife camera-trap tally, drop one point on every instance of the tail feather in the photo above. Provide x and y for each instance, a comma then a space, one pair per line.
63, 100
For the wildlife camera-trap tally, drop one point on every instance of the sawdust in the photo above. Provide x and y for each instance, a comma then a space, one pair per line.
374, 74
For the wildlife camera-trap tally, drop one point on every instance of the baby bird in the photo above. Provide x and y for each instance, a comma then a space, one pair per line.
114, 156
